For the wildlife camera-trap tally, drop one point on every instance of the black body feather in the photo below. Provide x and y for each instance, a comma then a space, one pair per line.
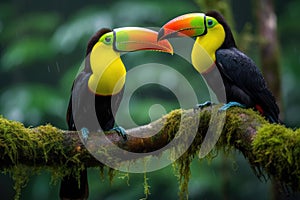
242, 79
87, 110
244, 83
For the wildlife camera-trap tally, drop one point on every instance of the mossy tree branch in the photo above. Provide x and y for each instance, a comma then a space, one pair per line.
269, 148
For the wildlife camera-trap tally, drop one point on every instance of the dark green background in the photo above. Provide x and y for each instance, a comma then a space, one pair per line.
43, 44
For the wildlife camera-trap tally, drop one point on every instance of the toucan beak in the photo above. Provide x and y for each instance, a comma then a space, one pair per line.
188, 25
136, 39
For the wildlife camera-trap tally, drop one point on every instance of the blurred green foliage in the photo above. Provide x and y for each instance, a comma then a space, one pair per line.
42, 45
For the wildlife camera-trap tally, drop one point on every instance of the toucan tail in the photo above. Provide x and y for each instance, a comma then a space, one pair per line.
70, 189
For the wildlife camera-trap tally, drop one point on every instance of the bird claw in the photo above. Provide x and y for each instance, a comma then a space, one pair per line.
202, 105
121, 131
85, 134
231, 104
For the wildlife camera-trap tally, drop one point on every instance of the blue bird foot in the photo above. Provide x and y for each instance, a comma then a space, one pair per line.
231, 104
203, 105
85, 134
121, 131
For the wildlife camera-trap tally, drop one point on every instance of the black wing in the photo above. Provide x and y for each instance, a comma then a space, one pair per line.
241, 72
79, 106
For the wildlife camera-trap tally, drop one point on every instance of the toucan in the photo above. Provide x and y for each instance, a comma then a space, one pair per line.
215, 51
98, 88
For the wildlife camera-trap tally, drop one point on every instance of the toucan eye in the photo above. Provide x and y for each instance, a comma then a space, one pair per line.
107, 39
210, 22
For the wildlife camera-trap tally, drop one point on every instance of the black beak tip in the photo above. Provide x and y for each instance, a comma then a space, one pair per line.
161, 33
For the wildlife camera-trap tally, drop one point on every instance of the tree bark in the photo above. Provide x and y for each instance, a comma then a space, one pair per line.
269, 54
269, 47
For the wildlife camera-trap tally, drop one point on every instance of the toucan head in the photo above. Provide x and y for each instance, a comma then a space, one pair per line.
103, 55
128, 39
211, 32
198, 25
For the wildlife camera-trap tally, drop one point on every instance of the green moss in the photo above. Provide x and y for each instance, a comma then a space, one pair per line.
277, 151
10, 132
187, 124
20, 176
123, 176
229, 137
146, 186
172, 123
35, 144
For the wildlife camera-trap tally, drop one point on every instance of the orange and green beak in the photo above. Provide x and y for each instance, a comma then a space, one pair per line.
129, 39
188, 25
